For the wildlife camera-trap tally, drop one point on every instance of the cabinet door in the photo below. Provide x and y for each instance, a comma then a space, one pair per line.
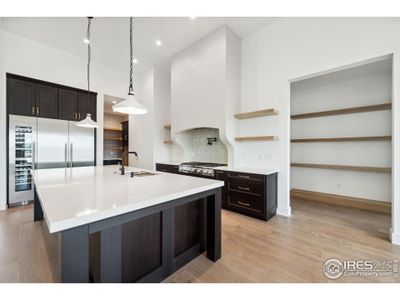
46, 101
67, 105
87, 105
21, 97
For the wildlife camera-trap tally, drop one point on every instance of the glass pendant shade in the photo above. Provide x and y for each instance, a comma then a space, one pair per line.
130, 106
87, 122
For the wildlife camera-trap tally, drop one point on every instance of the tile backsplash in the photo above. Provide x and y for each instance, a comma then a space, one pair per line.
203, 152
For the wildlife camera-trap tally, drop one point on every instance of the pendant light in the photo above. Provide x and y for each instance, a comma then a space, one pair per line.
88, 122
130, 105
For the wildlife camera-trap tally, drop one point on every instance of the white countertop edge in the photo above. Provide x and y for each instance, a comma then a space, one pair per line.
250, 170
101, 215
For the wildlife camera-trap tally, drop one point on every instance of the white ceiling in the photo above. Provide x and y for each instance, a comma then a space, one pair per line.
110, 36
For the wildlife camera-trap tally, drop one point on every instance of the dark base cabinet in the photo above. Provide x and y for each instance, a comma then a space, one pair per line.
254, 195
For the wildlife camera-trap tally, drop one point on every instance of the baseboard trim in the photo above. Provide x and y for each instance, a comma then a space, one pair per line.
3, 206
395, 237
353, 202
284, 211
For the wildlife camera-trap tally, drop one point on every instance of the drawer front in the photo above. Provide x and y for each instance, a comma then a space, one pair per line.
174, 169
246, 176
253, 187
246, 202
163, 168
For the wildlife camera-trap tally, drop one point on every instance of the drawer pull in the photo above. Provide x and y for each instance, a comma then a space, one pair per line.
243, 203
244, 176
243, 188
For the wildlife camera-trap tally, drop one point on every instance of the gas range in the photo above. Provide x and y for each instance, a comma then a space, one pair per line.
199, 169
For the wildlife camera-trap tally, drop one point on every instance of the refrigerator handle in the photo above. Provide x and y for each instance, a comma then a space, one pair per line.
33, 156
66, 155
71, 154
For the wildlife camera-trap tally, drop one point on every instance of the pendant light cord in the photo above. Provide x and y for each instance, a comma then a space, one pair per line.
130, 92
89, 52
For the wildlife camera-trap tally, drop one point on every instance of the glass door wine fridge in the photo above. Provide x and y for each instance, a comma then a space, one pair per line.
22, 137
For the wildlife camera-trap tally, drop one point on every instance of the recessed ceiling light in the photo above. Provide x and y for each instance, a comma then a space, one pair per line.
135, 61
86, 41
158, 43
114, 102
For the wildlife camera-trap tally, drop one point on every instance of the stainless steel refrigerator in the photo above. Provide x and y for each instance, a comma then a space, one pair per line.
44, 143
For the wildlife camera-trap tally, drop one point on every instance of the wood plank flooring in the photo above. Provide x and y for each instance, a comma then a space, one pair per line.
281, 250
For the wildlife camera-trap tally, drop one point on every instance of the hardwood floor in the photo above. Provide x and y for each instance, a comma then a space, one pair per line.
281, 250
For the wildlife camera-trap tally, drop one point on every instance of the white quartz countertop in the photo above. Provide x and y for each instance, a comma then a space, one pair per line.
71, 197
250, 170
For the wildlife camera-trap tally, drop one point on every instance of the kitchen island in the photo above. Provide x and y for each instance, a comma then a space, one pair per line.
100, 226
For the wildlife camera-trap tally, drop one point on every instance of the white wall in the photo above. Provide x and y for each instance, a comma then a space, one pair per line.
3, 181
205, 88
29, 58
297, 47
141, 126
162, 113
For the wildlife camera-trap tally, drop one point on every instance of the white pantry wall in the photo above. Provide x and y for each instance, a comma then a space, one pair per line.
30, 58
296, 47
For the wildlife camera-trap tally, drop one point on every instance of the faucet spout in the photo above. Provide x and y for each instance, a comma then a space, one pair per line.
122, 169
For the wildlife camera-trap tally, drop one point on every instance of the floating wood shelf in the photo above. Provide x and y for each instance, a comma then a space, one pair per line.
257, 138
113, 139
352, 110
112, 129
257, 113
344, 139
343, 168
353, 202
168, 126
168, 142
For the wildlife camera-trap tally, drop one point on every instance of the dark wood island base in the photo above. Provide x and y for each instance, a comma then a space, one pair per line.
145, 245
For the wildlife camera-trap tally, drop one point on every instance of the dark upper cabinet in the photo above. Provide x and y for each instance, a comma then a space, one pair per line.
46, 101
21, 97
87, 105
67, 105
36, 98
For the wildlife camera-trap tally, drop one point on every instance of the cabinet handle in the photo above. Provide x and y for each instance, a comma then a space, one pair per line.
37, 110
33, 110
243, 188
243, 203
244, 176
79, 116
76, 116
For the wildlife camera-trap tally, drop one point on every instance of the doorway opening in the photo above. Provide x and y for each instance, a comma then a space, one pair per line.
341, 143
116, 134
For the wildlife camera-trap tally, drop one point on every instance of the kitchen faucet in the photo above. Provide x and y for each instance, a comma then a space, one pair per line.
122, 169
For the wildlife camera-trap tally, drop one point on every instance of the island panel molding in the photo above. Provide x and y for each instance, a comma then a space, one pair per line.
257, 113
